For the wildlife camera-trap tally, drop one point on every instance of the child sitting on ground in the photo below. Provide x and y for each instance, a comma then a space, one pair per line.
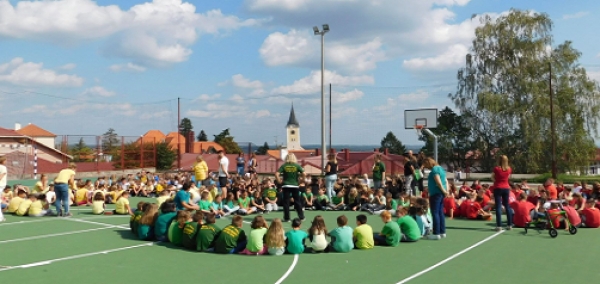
232, 238
341, 237
163, 222
230, 204
321, 201
353, 200
295, 238
39, 207
390, 234
451, 206
217, 207
523, 211
190, 230
16, 201
122, 205
275, 238
98, 206
255, 244
207, 234
204, 204
408, 227
317, 233
175, 232
590, 215
258, 204
571, 215
363, 233
270, 198
25, 204
244, 203
134, 220
307, 199
163, 196
472, 210
145, 229
337, 201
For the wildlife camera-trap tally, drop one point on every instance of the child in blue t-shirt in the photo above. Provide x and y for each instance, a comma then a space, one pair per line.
295, 238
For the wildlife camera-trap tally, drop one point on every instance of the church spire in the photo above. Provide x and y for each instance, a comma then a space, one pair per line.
293, 121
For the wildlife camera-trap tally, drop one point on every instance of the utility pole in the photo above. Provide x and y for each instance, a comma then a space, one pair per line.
552, 126
323, 145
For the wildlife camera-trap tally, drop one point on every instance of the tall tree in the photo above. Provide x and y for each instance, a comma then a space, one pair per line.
81, 152
503, 94
454, 140
391, 142
226, 141
202, 137
110, 141
185, 127
262, 150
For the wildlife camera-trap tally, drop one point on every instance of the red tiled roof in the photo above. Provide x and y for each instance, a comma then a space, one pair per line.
9, 132
33, 130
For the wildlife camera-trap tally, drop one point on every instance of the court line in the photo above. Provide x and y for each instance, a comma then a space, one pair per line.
53, 218
449, 258
50, 261
287, 273
95, 223
56, 235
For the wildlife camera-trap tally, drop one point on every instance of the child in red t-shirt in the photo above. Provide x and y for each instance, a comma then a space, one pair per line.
572, 215
451, 206
524, 211
472, 209
555, 214
590, 215
483, 200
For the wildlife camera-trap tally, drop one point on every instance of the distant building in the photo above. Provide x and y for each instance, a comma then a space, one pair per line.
293, 132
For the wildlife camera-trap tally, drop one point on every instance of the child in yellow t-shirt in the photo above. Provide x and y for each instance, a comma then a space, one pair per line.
98, 206
122, 205
39, 207
24, 206
81, 196
16, 201
164, 196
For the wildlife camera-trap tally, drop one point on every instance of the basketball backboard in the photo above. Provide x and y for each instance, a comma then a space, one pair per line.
427, 117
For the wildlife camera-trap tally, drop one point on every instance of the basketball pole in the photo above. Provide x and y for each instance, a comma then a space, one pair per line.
435, 143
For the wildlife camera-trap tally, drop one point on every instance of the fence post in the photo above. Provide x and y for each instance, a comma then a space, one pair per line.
123, 153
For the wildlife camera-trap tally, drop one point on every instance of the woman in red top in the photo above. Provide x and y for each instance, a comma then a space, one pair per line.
501, 192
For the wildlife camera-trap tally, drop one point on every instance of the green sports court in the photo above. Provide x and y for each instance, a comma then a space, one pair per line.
101, 249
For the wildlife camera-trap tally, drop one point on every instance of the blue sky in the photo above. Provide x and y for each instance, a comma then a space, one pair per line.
79, 67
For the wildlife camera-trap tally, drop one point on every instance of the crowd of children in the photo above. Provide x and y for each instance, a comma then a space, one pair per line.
580, 203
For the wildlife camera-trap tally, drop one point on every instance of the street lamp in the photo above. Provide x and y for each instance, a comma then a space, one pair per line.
322, 34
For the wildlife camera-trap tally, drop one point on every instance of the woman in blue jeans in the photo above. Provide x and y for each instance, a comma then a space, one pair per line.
330, 174
500, 177
438, 189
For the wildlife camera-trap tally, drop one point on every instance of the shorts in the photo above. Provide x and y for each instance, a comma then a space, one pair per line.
223, 181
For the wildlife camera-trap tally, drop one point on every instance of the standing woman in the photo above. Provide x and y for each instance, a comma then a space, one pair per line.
378, 172
252, 164
288, 175
330, 174
438, 189
501, 192
420, 158
62, 183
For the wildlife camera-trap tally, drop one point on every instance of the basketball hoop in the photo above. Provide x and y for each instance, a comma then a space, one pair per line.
419, 129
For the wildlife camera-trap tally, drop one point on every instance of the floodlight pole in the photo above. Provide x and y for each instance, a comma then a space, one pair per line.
435, 143
323, 145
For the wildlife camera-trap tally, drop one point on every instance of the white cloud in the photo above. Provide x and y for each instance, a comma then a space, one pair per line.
312, 83
240, 81
575, 15
340, 98
594, 75
125, 109
69, 66
419, 96
158, 114
19, 72
379, 31
152, 33
452, 58
98, 91
130, 67
207, 97
303, 48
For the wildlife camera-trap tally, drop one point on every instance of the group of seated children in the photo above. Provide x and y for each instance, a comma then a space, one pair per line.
198, 231
527, 205
27, 204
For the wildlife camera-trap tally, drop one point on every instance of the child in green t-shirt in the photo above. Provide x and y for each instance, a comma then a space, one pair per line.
270, 198
307, 199
341, 237
244, 203
190, 230
204, 203
208, 232
134, 220
337, 202
408, 226
295, 238
232, 238
175, 233
390, 234
321, 202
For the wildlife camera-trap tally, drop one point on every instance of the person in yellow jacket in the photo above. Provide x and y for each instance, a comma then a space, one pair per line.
62, 183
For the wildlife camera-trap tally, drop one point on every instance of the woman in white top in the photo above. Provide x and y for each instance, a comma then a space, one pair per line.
317, 233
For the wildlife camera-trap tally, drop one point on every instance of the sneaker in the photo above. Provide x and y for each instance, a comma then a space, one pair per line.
302, 219
509, 228
434, 237
498, 229
443, 236
68, 215
287, 221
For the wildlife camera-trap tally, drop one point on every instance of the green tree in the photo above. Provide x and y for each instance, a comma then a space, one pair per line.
391, 142
110, 141
81, 152
226, 141
165, 156
185, 127
503, 95
202, 136
454, 140
262, 150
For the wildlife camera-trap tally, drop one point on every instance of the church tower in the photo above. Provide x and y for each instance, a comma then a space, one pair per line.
293, 132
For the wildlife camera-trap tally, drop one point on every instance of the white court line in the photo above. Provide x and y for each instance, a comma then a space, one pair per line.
95, 223
287, 273
50, 261
450, 258
56, 235
54, 218
31, 221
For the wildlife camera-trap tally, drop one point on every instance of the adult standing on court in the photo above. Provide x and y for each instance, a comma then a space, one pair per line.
438, 189
288, 175
252, 164
241, 164
409, 172
330, 174
378, 172
502, 191
3, 179
201, 171
62, 183
420, 158
223, 172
